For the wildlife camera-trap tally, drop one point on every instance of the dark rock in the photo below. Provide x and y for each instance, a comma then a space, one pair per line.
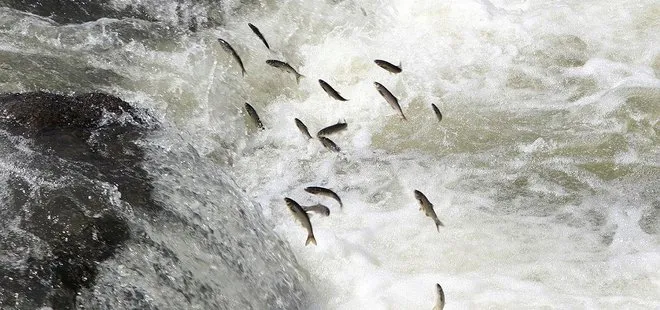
186, 13
69, 11
80, 143
75, 195
31, 114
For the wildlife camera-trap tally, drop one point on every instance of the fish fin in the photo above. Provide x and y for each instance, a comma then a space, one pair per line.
310, 239
404, 117
243, 72
298, 78
438, 224
400, 65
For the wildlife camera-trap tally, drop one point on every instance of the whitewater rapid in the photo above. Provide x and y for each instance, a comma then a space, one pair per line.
544, 170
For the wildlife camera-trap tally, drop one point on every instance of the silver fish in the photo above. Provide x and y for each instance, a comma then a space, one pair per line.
301, 126
302, 217
440, 300
284, 67
394, 103
253, 115
258, 33
231, 50
317, 190
331, 91
427, 207
318, 208
332, 129
388, 66
437, 112
329, 144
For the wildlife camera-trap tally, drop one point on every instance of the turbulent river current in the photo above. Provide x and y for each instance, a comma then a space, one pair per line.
544, 170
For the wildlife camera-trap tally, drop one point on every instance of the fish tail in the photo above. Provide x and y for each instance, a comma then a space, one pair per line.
404, 117
298, 76
310, 239
438, 224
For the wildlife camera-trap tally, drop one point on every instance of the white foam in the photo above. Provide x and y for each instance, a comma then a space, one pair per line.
380, 251
526, 225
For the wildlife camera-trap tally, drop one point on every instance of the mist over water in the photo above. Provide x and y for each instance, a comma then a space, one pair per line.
544, 168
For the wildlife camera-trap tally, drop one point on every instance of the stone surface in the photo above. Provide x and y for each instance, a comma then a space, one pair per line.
64, 230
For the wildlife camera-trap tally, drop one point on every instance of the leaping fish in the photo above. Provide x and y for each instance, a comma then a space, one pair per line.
332, 129
329, 144
303, 129
394, 103
317, 190
437, 112
285, 67
227, 47
427, 207
388, 66
302, 217
258, 33
331, 91
318, 208
254, 116
440, 299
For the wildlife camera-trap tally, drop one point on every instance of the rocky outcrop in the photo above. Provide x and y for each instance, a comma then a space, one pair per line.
55, 235
191, 14
98, 212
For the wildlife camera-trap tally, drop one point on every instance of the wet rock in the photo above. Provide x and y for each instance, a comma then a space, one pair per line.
191, 14
55, 233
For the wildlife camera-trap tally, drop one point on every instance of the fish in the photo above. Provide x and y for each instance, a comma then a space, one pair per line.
440, 299
231, 50
258, 33
332, 129
394, 103
302, 217
303, 129
317, 190
329, 144
427, 207
254, 116
389, 66
331, 91
318, 208
437, 112
285, 67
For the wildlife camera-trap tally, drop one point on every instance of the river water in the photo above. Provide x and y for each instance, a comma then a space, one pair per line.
545, 168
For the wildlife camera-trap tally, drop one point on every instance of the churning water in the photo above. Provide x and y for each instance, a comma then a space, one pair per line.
545, 168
